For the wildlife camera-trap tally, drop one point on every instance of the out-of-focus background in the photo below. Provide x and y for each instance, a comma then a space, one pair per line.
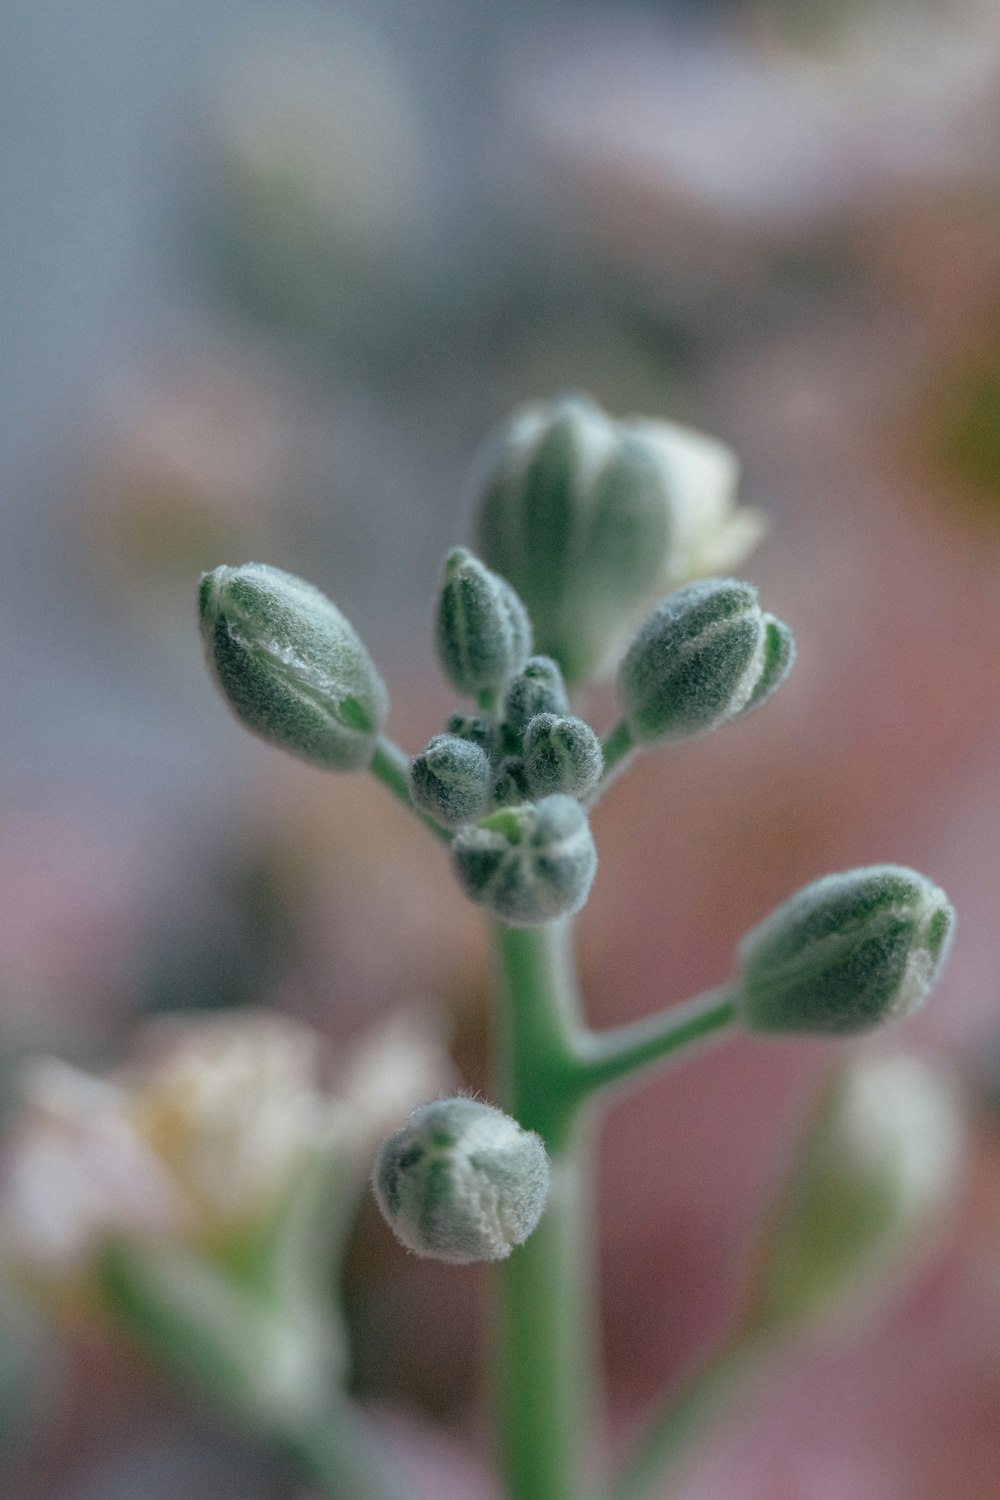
268, 274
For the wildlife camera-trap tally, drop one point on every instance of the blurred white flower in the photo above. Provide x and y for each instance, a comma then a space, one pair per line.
204, 1137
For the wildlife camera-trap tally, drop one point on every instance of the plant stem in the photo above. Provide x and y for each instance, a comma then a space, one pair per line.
339, 1453
688, 1415
619, 748
391, 766
611, 1056
545, 1293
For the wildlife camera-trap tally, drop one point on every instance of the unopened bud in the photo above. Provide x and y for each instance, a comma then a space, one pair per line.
845, 954
561, 754
450, 780
537, 689
876, 1182
290, 665
528, 864
704, 655
511, 784
462, 1181
591, 517
480, 729
483, 630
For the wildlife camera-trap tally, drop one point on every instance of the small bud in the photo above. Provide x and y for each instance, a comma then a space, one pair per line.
483, 630
845, 954
462, 1181
704, 655
528, 864
875, 1184
479, 729
450, 780
591, 517
537, 689
290, 665
511, 784
561, 754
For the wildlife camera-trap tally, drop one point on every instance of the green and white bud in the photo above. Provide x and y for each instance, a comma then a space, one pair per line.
462, 1181
480, 729
537, 689
876, 1183
450, 780
528, 864
483, 630
511, 784
561, 754
845, 954
705, 654
590, 518
290, 665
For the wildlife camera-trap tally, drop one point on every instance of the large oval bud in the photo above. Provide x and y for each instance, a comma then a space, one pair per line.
483, 630
704, 655
845, 954
290, 665
528, 864
590, 517
462, 1181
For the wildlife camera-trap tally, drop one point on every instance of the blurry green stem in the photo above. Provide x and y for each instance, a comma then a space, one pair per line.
392, 767
689, 1415
338, 1453
619, 748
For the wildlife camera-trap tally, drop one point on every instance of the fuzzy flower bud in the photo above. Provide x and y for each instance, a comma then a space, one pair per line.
291, 666
846, 953
561, 754
511, 784
704, 655
479, 728
537, 689
591, 517
483, 630
528, 864
875, 1184
462, 1181
450, 780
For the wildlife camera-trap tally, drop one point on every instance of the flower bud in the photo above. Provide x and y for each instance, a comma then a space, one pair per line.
462, 1181
511, 784
877, 1179
704, 655
483, 630
845, 954
290, 665
561, 754
537, 689
480, 729
528, 864
450, 780
591, 517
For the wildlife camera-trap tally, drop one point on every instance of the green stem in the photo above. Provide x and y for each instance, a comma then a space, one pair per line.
612, 1056
619, 748
689, 1415
391, 766
340, 1454
545, 1292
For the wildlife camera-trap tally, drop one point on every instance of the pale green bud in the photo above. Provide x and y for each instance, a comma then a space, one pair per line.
846, 953
528, 864
590, 518
705, 654
462, 1181
511, 784
450, 780
876, 1182
290, 665
480, 729
537, 689
561, 754
483, 630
